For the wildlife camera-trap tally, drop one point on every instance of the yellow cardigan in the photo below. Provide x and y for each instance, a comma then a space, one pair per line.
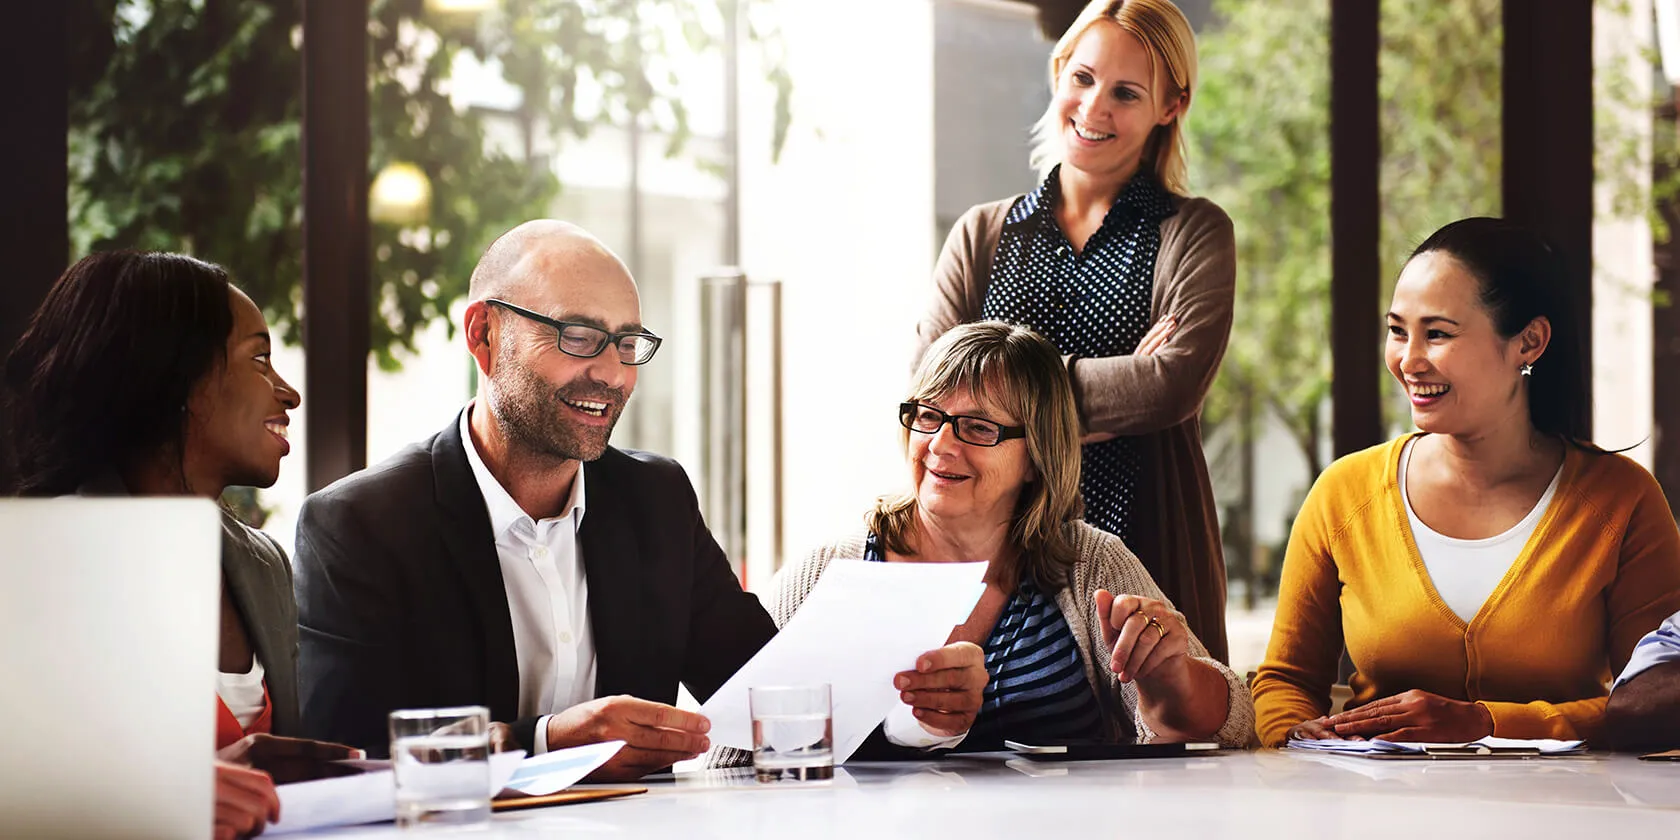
1601, 570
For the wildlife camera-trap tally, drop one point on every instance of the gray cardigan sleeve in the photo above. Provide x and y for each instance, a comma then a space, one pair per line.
1195, 280
1106, 563
1195, 283
961, 274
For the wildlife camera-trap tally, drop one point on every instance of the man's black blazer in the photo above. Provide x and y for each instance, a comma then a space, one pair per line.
401, 602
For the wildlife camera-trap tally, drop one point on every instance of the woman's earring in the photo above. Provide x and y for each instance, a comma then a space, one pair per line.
1527, 369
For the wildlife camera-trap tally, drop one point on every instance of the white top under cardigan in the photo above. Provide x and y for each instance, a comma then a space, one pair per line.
1465, 572
547, 593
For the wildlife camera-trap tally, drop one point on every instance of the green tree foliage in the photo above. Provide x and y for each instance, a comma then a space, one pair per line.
185, 135
1439, 87
1260, 134
1261, 131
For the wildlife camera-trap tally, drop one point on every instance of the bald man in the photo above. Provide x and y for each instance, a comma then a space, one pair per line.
515, 560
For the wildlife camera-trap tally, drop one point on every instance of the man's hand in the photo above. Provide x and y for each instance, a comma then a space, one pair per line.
245, 801
1644, 712
1316, 729
655, 735
290, 760
945, 690
1414, 716
502, 740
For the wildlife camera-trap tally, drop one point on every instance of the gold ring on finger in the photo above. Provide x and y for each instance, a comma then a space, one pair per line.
1159, 628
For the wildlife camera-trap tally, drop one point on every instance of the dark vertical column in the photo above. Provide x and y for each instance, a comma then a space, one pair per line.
1355, 389
1055, 16
336, 264
33, 173
1548, 134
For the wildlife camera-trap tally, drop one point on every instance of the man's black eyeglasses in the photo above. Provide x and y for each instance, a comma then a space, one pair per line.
972, 430
586, 341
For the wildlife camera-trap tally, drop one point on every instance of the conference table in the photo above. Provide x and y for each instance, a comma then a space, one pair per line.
1255, 794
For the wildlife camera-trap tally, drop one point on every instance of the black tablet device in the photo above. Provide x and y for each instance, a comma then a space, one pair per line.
1098, 751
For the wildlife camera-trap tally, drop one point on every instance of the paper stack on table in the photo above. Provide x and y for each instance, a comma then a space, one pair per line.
1488, 747
371, 795
862, 624
552, 772
368, 797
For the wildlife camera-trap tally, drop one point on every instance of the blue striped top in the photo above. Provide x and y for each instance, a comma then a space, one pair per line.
1037, 692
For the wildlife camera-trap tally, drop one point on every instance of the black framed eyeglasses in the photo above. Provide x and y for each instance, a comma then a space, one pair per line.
586, 341
977, 431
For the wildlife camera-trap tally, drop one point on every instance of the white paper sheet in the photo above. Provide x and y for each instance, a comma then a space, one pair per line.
353, 800
863, 623
552, 772
1377, 746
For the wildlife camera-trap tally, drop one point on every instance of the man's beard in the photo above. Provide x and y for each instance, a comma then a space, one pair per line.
531, 412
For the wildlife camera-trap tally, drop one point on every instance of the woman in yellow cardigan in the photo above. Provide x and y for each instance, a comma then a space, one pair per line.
1489, 573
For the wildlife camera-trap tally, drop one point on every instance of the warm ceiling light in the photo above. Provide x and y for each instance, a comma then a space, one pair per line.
460, 6
401, 195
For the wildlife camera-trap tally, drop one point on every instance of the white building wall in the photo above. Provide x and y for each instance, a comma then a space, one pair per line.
844, 219
1623, 271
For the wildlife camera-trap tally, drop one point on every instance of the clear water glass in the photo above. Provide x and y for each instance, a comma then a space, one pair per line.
441, 758
793, 733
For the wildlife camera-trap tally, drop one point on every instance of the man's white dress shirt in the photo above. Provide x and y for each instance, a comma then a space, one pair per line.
547, 594
1659, 646
1465, 572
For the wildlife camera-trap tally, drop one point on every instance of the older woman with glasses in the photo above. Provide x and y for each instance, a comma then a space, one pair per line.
1079, 642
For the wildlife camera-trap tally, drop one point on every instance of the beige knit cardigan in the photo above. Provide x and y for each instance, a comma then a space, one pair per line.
1102, 562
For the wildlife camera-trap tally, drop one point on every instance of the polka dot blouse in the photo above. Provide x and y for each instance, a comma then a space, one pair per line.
1090, 304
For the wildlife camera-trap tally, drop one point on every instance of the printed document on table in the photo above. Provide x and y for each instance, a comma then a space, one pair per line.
862, 624
552, 772
539, 775
1495, 746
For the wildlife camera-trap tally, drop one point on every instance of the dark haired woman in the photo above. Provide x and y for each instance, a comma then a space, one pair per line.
1490, 572
148, 374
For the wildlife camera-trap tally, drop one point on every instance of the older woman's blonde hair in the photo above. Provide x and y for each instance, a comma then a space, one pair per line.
1166, 34
1014, 370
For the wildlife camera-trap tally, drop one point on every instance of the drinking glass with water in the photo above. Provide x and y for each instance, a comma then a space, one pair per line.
793, 733
441, 758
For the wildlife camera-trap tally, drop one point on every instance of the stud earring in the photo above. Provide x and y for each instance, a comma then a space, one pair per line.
1527, 369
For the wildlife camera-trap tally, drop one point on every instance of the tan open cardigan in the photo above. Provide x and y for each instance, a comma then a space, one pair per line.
1156, 397
1101, 561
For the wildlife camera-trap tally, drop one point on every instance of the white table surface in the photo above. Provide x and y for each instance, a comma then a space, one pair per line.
1248, 795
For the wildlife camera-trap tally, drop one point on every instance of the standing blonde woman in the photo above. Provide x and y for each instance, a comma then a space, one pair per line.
1130, 278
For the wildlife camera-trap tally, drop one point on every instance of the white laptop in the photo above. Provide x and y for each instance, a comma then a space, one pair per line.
109, 625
